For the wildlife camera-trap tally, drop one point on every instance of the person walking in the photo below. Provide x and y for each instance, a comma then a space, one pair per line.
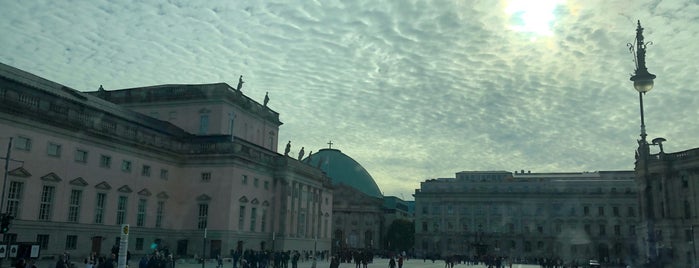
392, 263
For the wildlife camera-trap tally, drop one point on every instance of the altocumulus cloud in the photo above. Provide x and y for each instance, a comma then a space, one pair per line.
410, 89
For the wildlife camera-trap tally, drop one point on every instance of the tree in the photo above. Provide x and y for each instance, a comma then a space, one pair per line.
400, 235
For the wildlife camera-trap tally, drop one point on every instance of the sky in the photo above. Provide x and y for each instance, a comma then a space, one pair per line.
411, 90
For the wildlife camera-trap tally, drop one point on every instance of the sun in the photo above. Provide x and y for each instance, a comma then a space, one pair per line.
532, 16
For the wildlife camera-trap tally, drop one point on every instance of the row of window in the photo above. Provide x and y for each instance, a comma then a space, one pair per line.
527, 229
81, 156
203, 214
75, 205
554, 209
540, 246
71, 242
450, 187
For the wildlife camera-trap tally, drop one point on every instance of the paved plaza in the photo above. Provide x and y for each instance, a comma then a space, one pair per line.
378, 263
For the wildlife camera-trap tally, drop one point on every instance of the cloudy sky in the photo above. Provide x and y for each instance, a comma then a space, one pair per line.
410, 89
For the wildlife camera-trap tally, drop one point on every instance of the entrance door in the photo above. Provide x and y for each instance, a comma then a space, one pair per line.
182, 247
215, 249
97, 245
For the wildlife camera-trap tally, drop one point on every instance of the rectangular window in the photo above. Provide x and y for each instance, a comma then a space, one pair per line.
602, 230
145, 171
263, 220
424, 226
121, 210
205, 176
600, 211
615, 211
587, 229
74, 206
632, 230
53, 149
241, 217
14, 197
159, 214
164, 174
253, 219
139, 243
141, 216
586, 211
203, 124
99, 207
688, 235
617, 230
46, 201
256, 182
126, 166
631, 212
43, 241
266, 185
245, 179
80, 156
203, 216
22, 143
71, 242
105, 161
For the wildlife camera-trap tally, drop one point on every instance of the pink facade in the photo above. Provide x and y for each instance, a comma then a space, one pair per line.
84, 163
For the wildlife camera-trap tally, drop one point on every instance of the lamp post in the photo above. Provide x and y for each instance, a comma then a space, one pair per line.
643, 82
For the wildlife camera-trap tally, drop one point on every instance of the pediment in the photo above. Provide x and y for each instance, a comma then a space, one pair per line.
203, 197
204, 111
51, 177
125, 189
79, 181
144, 192
103, 186
243, 199
265, 203
254, 201
19, 172
163, 195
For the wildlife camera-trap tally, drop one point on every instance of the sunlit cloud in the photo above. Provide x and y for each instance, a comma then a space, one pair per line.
410, 89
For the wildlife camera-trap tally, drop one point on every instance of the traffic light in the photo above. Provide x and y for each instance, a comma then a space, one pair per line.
5, 223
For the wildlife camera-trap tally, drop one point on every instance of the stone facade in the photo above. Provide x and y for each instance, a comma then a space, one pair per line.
670, 207
358, 220
571, 216
82, 164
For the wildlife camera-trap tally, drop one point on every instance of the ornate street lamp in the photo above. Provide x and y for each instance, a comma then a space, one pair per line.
642, 79
643, 82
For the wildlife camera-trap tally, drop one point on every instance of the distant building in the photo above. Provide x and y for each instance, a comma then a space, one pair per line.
173, 161
397, 209
673, 195
573, 217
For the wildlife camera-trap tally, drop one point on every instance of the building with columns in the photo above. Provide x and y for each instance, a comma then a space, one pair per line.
573, 217
358, 204
174, 162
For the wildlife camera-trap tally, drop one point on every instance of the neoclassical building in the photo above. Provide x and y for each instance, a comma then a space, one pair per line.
669, 198
175, 162
571, 216
358, 204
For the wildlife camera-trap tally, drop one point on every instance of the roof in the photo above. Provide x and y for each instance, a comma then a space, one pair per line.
342, 169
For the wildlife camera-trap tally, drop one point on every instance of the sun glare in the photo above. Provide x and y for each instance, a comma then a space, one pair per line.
532, 16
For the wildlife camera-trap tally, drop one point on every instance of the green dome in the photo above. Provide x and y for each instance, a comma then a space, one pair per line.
342, 169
